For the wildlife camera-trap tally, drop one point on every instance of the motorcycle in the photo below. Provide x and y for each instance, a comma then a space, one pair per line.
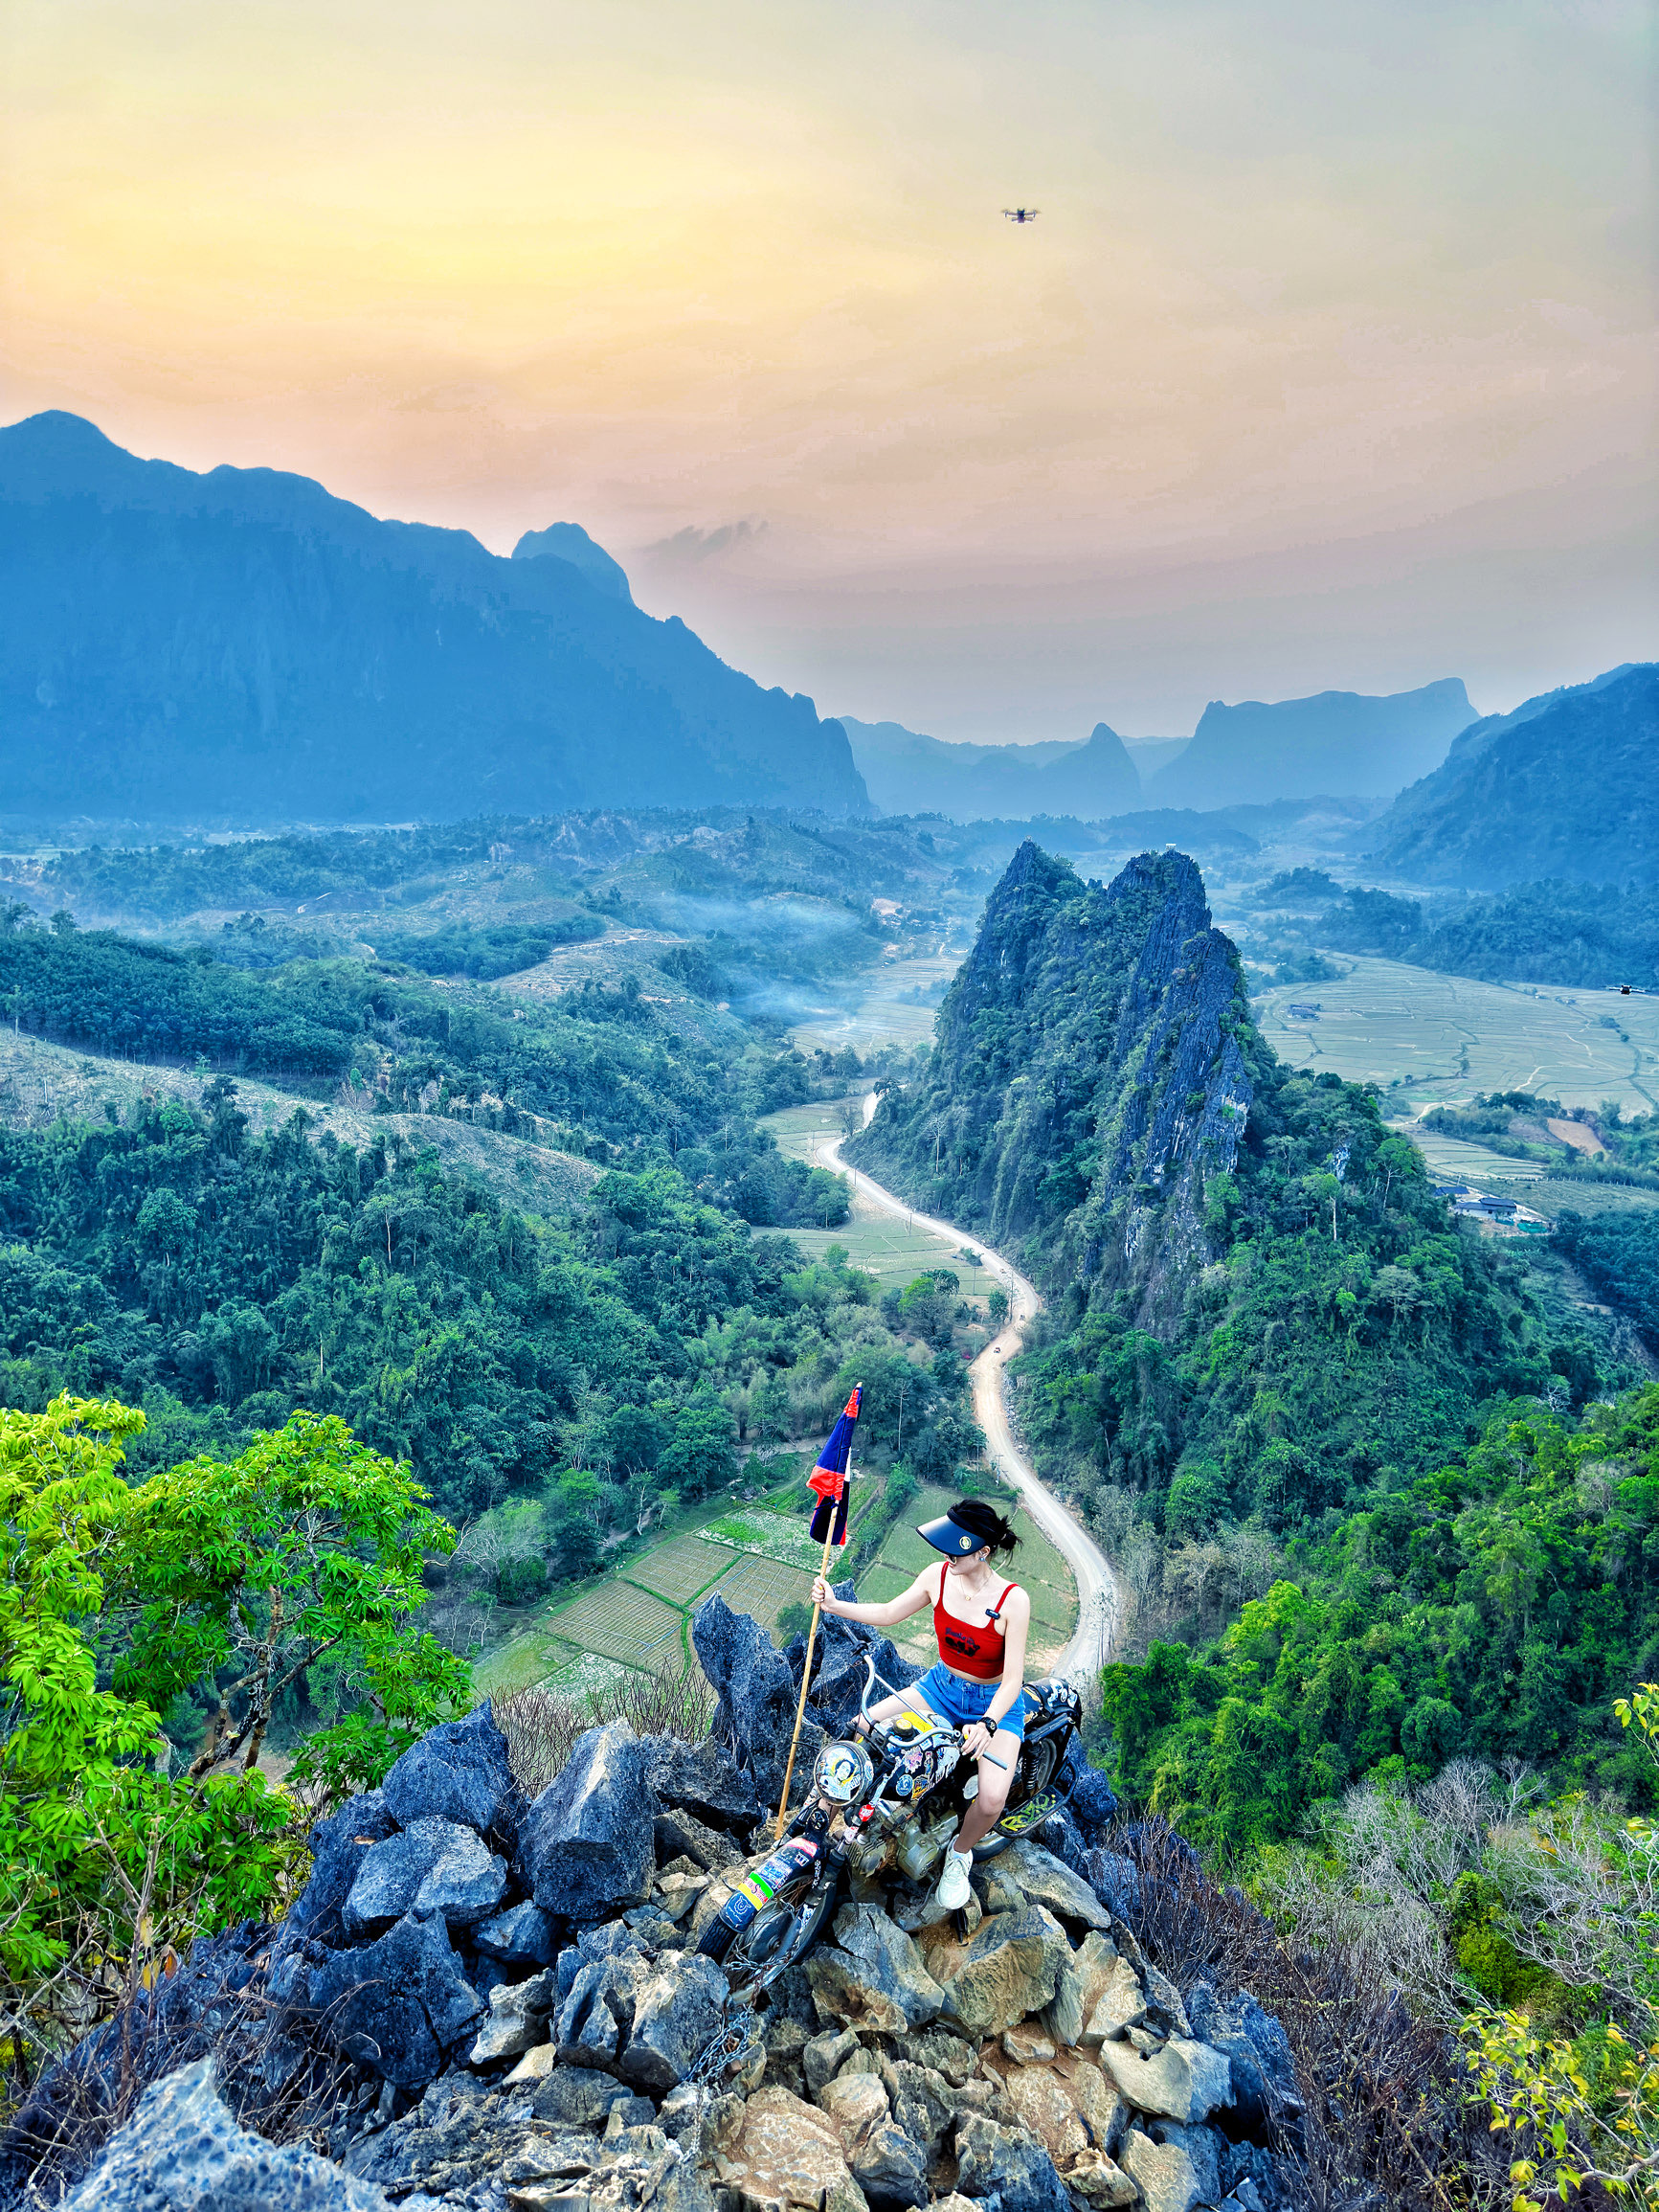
905, 1784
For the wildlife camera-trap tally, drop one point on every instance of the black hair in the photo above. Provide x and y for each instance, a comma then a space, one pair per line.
985, 1522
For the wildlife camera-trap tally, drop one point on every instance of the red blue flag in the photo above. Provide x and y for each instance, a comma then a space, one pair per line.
830, 1477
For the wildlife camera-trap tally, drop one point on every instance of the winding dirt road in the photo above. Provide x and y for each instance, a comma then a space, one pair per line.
1099, 1595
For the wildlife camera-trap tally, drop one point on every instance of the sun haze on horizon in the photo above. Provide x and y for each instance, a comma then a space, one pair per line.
1329, 364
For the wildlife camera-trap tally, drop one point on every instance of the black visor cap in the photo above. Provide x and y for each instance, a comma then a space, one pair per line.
950, 1537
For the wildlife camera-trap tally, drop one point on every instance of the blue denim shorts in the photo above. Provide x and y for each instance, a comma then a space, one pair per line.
961, 1702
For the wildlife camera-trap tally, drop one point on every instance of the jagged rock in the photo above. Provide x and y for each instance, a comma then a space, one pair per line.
1164, 2000
853, 2102
678, 1893
1012, 1968
1002, 2171
592, 2017
1185, 2081
1092, 1801
1026, 2044
923, 2103
431, 1863
533, 2067
1045, 1881
1120, 2007
1115, 1881
518, 2019
777, 2150
876, 1979
680, 1834
1041, 2099
523, 1935
182, 2151
580, 2098
1100, 2101
1162, 2172
460, 1771
838, 1660
999, 1890
822, 2056
888, 2167
398, 2004
756, 1711
1081, 1983
1099, 2180
1258, 2052
703, 1781
339, 1845
676, 2012
1203, 2148
942, 2054
586, 1844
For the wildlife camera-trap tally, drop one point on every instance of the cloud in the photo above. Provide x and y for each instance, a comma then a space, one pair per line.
688, 548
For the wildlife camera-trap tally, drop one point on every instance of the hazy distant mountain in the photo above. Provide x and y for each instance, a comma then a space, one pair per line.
1565, 786
569, 541
242, 647
1151, 753
1338, 743
908, 774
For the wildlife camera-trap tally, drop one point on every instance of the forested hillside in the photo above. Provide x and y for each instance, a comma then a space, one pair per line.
1265, 1338
1587, 936
173, 1257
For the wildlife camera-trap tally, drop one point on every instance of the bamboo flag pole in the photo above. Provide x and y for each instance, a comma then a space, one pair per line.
806, 1665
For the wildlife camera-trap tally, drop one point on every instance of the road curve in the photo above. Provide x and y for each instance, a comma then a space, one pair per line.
1099, 1595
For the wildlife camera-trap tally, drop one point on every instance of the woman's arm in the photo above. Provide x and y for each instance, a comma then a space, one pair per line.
896, 1609
1017, 1620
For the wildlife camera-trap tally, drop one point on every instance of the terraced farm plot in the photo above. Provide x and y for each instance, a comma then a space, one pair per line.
881, 1014
1455, 1158
681, 1570
762, 1588
621, 1621
1386, 1021
769, 1535
531, 1657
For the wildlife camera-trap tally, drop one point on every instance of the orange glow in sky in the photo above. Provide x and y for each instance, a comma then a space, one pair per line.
1329, 362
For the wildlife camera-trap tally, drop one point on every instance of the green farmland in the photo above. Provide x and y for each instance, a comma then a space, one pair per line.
1443, 1037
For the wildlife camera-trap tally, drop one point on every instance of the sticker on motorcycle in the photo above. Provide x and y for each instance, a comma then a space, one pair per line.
755, 1889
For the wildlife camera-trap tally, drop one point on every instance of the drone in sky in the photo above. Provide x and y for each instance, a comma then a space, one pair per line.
1022, 215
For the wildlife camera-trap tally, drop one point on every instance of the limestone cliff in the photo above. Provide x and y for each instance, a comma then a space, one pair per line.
1092, 1071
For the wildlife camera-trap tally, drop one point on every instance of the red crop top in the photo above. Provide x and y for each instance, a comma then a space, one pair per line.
972, 1651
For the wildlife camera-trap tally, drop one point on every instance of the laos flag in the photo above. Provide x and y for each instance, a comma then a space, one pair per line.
831, 1478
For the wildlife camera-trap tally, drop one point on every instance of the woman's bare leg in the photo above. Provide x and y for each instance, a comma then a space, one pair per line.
987, 1808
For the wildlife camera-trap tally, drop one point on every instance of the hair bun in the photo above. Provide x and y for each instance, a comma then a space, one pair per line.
985, 1522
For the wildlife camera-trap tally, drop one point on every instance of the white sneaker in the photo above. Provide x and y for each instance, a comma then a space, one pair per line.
954, 1891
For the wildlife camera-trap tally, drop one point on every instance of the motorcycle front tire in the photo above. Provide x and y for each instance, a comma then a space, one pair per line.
754, 1956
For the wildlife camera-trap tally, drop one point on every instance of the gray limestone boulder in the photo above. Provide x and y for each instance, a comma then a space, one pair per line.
1046, 1881
518, 2019
889, 2166
1013, 1968
1115, 1881
580, 2098
398, 2005
431, 1863
182, 2151
523, 1935
874, 1977
1184, 2081
701, 1780
1000, 2171
756, 1710
338, 1848
676, 2012
586, 1842
460, 1771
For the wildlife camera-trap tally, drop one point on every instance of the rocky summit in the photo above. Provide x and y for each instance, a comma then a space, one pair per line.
494, 2005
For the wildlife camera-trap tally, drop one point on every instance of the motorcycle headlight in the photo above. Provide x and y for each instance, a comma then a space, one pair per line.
844, 1772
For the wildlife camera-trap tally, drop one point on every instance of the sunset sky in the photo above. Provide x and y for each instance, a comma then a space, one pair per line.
1330, 361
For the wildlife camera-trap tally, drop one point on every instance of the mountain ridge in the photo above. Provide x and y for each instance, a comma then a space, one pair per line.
242, 647
1336, 742
908, 773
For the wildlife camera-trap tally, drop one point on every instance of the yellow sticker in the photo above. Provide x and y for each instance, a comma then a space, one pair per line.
755, 1891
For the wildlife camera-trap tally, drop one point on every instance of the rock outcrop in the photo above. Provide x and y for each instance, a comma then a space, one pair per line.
495, 2007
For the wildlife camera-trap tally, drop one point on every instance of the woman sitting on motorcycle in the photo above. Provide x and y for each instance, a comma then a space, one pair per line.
978, 1683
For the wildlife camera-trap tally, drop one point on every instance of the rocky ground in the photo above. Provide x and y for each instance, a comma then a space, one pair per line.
492, 2005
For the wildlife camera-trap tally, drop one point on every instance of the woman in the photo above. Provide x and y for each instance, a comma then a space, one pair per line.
978, 1684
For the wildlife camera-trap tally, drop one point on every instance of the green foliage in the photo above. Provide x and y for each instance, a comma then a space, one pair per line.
211, 1588
1582, 936
1619, 1256
1490, 1608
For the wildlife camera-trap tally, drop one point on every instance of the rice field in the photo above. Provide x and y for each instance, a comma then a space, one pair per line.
778, 1536
681, 1570
1455, 1158
881, 1015
621, 1621
763, 1586
1446, 1037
